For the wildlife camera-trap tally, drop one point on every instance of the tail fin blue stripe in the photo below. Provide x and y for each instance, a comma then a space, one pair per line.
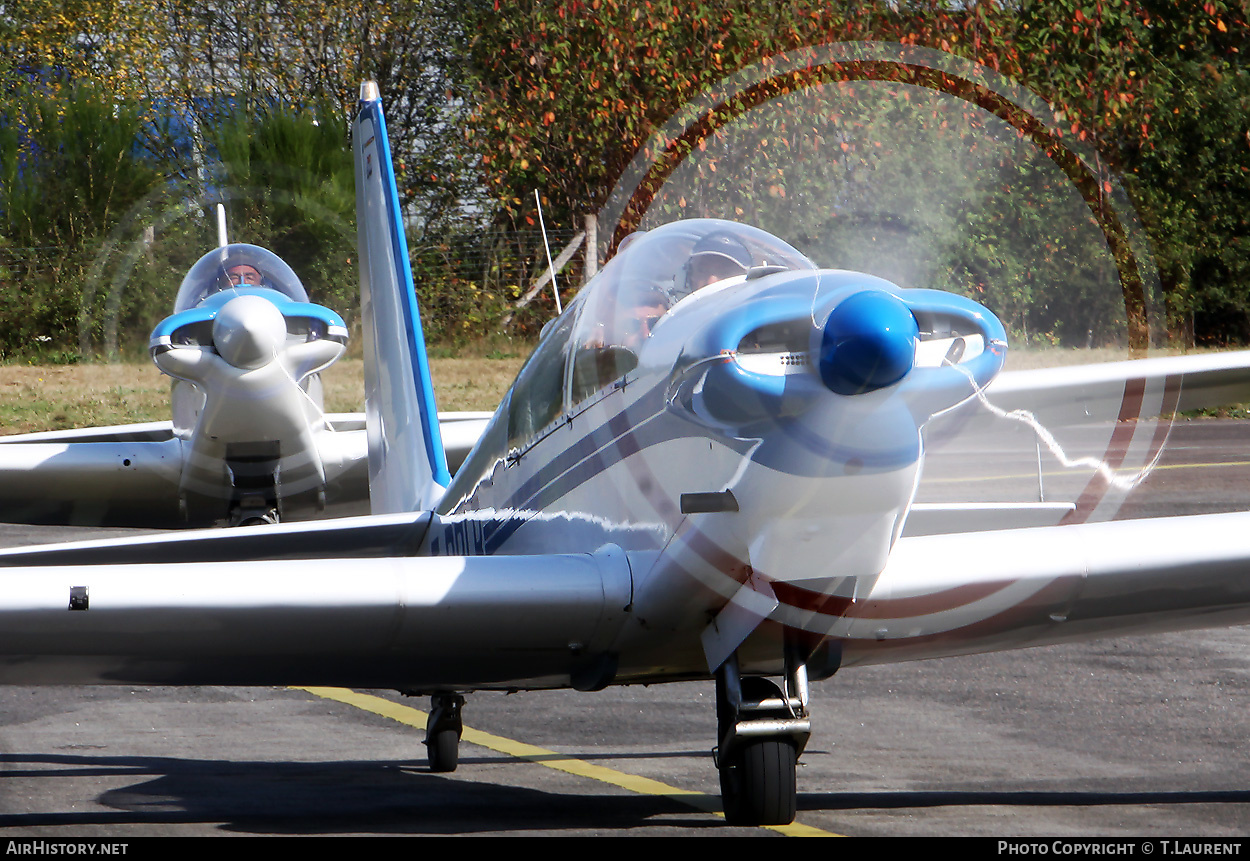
407, 464
412, 322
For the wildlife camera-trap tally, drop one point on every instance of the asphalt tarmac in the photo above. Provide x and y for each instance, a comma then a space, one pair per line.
1119, 738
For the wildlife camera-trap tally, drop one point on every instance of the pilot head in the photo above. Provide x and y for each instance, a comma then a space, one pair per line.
238, 267
716, 257
233, 274
244, 274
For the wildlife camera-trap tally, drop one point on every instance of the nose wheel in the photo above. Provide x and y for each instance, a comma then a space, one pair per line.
762, 730
758, 783
257, 515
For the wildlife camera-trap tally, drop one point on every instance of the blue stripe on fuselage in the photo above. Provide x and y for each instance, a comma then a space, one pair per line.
602, 447
623, 434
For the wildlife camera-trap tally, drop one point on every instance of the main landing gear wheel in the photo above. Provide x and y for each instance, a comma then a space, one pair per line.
758, 781
443, 750
442, 732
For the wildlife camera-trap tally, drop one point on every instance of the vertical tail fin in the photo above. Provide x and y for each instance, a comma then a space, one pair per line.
407, 466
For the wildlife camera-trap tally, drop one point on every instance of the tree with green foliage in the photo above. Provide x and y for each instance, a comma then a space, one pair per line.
488, 102
71, 167
567, 92
286, 175
258, 96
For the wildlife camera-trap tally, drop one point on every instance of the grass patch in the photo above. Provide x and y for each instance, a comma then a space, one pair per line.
1231, 411
472, 377
1029, 359
56, 397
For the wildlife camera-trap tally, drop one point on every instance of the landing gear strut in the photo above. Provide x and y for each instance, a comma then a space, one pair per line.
442, 732
762, 730
253, 471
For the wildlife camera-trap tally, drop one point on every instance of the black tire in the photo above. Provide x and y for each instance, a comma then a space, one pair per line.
757, 780
758, 785
442, 749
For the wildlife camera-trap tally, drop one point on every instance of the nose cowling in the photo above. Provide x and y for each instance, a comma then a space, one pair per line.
801, 338
868, 342
249, 332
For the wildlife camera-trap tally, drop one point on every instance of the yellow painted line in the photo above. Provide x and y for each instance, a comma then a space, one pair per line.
550, 758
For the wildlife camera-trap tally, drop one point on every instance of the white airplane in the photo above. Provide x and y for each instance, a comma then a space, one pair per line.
249, 442
705, 470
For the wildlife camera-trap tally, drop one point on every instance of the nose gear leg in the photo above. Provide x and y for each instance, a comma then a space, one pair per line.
762, 728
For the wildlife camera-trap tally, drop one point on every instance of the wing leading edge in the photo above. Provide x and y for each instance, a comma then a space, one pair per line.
1150, 387
1124, 394
979, 592
388, 620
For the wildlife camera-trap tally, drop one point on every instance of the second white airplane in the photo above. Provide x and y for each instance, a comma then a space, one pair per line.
249, 441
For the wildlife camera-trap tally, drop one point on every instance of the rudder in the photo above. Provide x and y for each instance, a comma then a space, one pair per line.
407, 465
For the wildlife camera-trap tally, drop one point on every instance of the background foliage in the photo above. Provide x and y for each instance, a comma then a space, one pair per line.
122, 122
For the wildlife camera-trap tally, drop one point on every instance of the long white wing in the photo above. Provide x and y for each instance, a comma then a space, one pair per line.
1061, 425
345, 603
128, 475
108, 481
1132, 389
340, 602
980, 592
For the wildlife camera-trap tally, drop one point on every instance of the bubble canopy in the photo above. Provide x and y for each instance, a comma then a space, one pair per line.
210, 275
660, 257
598, 337
656, 269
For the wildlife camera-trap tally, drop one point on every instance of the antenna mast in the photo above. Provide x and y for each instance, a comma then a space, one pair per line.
551, 266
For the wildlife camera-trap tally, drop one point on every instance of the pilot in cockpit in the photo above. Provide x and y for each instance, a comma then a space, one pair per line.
714, 258
244, 274
652, 274
237, 267
610, 347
